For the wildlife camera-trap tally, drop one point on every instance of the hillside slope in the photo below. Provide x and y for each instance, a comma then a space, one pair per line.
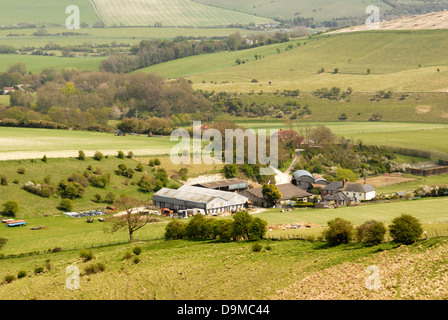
169, 13
435, 20
44, 12
399, 61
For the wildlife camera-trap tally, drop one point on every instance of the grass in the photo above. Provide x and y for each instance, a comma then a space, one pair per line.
427, 210
37, 142
50, 12
395, 62
126, 35
170, 13
320, 10
36, 64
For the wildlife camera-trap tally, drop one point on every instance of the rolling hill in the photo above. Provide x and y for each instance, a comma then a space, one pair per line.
398, 60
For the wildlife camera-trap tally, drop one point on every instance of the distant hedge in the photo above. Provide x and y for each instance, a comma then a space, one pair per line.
43, 124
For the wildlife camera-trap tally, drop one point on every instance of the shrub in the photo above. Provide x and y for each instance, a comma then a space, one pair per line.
9, 278
120, 155
406, 229
98, 156
371, 232
21, 170
48, 265
38, 270
10, 208
81, 155
223, 229
70, 189
94, 268
3, 180
257, 247
98, 198
44, 158
45, 189
137, 251
151, 163
127, 256
175, 230
241, 225
130, 155
339, 231
66, 205
85, 254
194, 226
139, 168
157, 162
136, 260
21, 274
110, 197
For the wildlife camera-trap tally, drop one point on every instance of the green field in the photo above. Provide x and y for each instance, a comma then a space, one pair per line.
170, 13
127, 35
36, 64
46, 141
48, 12
318, 9
395, 62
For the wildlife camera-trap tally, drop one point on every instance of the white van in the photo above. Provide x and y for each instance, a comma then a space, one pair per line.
195, 211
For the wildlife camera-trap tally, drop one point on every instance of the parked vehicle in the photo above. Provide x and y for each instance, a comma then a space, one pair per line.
195, 211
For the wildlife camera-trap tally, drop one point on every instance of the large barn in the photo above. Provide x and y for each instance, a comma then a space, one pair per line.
190, 197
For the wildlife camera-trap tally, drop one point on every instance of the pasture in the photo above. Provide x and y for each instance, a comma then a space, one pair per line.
170, 13
395, 64
26, 143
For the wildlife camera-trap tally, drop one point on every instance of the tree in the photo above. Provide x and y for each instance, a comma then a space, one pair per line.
336, 70
406, 229
230, 171
258, 228
133, 219
241, 225
175, 230
271, 193
10, 208
19, 68
109, 197
339, 231
371, 232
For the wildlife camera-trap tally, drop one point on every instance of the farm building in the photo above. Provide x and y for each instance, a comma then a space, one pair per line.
225, 185
305, 180
290, 136
8, 90
356, 191
287, 190
191, 197
428, 170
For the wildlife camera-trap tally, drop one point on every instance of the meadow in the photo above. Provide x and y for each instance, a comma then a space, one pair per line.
30, 143
393, 58
170, 13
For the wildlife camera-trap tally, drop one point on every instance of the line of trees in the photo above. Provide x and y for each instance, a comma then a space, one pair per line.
242, 227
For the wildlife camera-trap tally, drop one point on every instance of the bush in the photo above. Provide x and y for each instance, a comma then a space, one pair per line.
127, 256
3, 180
137, 251
21, 170
70, 189
66, 205
85, 254
120, 155
94, 268
241, 225
371, 232
139, 167
21, 274
10, 208
406, 229
81, 155
175, 230
98, 156
157, 162
44, 158
339, 231
110, 197
257, 229
130, 155
9, 278
256, 247
38, 270
223, 229
136, 260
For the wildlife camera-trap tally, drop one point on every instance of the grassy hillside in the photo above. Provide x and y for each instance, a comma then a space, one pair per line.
169, 13
318, 9
401, 61
47, 12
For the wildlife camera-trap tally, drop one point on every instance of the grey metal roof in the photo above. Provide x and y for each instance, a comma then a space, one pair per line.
231, 183
299, 173
196, 194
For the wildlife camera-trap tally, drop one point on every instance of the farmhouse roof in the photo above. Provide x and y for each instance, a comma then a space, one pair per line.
231, 183
350, 187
